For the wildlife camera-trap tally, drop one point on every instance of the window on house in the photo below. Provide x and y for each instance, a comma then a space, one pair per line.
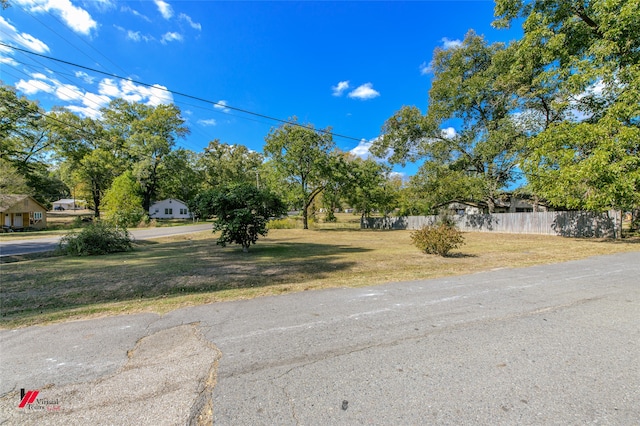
37, 215
157, 210
183, 211
168, 211
524, 210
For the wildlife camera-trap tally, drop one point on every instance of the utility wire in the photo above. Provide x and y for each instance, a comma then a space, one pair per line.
293, 123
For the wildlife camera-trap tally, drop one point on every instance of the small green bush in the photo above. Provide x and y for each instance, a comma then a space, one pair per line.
437, 239
95, 239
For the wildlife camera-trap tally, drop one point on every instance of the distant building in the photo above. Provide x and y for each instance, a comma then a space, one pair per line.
169, 209
19, 211
506, 204
69, 204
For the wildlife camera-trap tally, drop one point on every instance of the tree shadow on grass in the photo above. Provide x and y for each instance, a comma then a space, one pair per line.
460, 255
167, 270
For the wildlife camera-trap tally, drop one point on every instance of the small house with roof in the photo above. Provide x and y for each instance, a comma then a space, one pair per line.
170, 208
20, 211
69, 204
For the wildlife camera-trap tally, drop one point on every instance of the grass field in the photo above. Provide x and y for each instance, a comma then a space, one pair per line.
191, 269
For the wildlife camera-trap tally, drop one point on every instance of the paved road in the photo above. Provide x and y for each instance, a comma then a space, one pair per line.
556, 344
11, 247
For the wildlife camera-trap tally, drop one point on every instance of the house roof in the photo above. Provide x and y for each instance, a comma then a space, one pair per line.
68, 201
167, 199
9, 200
479, 204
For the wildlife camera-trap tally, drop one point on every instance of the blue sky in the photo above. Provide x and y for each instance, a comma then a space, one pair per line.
349, 64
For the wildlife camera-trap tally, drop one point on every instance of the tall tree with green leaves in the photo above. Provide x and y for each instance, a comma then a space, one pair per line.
148, 134
123, 202
225, 164
181, 176
367, 187
89, 158
303, 157
25, 143
467, 88
577, 72
241, 212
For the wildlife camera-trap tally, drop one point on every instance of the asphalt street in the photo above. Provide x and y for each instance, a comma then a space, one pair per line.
15, 247
554, 344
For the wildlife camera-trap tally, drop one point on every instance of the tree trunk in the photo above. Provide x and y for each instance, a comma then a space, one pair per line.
305, 218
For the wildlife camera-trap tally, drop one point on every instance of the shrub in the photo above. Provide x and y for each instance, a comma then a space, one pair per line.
437, 239
95, 239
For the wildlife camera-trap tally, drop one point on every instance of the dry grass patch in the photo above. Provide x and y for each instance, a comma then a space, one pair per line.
190, 269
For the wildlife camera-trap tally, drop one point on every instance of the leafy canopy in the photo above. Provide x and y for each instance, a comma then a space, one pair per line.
241, 212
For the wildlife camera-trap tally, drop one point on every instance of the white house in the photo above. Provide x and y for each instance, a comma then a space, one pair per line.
169, 209
69, 204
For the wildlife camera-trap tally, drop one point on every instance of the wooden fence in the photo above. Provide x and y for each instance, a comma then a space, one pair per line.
567, 224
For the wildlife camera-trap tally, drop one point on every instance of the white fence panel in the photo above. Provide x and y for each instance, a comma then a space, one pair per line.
568, 224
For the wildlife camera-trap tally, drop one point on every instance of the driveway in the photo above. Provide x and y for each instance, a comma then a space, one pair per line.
554, 344
14, 247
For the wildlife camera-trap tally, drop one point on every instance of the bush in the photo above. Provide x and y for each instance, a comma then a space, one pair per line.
96, 239
438, 239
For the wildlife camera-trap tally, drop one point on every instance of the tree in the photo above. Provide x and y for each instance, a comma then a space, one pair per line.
25, 144
181, 177
367, 187
467, 87
303, 158
577, 71
148, 134
11, 181
241, 212
90, 159
123, 203
435, 184
225, 164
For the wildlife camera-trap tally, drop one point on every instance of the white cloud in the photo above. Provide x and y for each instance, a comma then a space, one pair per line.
194, 25
84, 76
449, 133
209, 122
362, 150
88, 104
165, 8
133, 35
340, 88
450, 44
131, 92
76, 18
108, 87
221, 106
159, 95
426, 68
103, 5
9, 34
364, 92
135, 13
8, 61
171, 36
69, 92
31, 87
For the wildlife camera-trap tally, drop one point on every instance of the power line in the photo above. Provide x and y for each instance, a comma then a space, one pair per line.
223, 105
